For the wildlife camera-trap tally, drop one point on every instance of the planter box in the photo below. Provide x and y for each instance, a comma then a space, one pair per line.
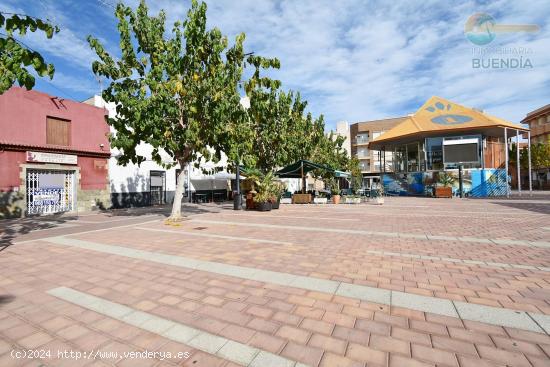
301, 198
320, 200
286, 200
352, 200
275, 204
443, 192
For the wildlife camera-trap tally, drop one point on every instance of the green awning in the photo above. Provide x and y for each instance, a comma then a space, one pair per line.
295, 170
342, 174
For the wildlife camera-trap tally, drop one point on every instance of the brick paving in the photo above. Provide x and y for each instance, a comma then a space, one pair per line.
312, 328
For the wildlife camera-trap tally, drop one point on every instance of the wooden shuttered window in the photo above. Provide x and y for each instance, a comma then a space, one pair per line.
58, 131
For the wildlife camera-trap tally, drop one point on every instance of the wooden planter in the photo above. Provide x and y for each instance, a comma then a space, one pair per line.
301, 198
443, 192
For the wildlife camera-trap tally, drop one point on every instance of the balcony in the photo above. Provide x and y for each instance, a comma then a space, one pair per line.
363, 154
361, 141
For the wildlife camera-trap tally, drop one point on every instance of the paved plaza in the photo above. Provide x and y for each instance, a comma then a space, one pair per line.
413, 282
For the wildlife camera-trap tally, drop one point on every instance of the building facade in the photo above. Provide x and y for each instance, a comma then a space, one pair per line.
448, 145
539, 124
371, 162
153, 184
53, 155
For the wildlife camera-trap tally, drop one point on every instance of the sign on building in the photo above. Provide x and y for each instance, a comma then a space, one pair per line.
43, 157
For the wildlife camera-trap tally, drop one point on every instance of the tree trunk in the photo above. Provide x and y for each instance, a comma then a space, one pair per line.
176, 216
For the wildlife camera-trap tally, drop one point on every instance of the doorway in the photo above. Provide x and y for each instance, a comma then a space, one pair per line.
157, 187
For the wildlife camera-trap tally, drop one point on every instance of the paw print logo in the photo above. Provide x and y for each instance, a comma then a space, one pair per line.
448, 118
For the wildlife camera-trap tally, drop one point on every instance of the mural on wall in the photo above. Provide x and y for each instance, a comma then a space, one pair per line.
476, 183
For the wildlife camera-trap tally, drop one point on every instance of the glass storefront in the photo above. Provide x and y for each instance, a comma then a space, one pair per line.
439, 153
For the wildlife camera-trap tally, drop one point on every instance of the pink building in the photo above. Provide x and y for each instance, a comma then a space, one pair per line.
53, 154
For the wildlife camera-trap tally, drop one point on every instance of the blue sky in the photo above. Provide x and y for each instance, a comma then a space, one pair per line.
352, 60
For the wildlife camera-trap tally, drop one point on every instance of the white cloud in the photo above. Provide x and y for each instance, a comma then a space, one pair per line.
355, 60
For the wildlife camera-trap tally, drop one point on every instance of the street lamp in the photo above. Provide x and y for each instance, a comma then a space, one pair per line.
245, 103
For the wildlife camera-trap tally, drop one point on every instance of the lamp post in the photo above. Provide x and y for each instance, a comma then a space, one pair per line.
237, 205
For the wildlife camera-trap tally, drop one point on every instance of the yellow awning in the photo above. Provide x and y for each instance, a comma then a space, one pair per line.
440, 115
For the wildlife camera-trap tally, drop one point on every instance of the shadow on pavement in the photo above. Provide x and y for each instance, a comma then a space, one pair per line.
6, 298
13, 228
540, 207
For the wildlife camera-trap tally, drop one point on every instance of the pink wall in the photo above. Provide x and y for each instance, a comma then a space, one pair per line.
23, 119
9, 169
93, 173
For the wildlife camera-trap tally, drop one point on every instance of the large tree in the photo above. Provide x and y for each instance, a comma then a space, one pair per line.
16, 58
177, 92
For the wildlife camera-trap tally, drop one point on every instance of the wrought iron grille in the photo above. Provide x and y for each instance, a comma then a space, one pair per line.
50, 191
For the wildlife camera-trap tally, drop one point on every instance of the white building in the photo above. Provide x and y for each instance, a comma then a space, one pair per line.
342, 129
151, 184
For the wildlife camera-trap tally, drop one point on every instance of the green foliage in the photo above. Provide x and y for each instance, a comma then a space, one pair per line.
178, 94
540, 156
354, 168
15, 57
329, 151
266, 188
445, 179
281, 132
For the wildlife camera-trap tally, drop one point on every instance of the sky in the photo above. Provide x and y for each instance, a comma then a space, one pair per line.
351, 60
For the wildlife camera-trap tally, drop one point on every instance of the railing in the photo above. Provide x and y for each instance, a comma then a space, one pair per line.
361, 140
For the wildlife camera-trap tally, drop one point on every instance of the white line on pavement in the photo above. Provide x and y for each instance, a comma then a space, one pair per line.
468, 311
373, 252
423, 237
233, 351
240, 239
90, 231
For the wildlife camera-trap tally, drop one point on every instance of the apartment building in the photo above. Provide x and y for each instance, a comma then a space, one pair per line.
539, 123
361, 133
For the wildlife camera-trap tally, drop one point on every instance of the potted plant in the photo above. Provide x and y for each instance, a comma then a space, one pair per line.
335, 195
262, 201
379, 192
444, 187
266, 192
277, 190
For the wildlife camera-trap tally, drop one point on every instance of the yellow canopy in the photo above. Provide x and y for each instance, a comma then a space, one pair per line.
440, 115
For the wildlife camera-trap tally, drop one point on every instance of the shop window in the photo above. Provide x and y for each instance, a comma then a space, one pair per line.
400, 159
412, 158
58, 131
434, 154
